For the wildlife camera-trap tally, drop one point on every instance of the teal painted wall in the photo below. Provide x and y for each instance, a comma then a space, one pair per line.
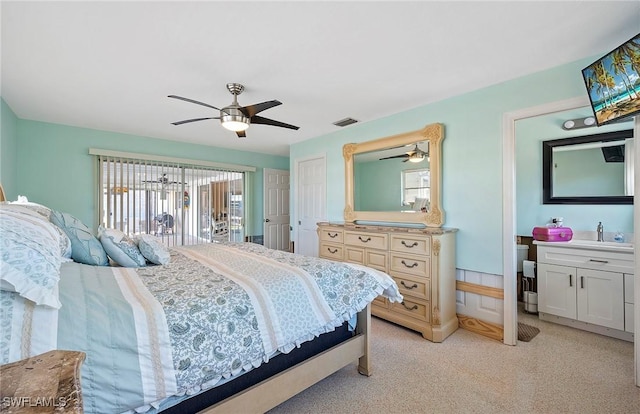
530, 211
55, 168
472, 155
8, 149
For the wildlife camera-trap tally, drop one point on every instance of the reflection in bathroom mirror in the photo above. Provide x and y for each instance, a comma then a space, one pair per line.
591, 169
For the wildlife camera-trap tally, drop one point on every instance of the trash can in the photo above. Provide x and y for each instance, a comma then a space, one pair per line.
530, 301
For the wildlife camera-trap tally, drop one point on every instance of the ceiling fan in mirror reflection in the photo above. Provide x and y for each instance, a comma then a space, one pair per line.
415, 155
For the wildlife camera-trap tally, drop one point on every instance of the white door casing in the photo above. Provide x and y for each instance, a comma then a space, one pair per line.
311, 204
509, 216
509, 205
276, 209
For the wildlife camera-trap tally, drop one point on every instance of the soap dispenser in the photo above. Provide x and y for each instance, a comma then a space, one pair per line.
619, 237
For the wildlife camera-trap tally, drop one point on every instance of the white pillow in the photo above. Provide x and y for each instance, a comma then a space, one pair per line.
120, 248
420, 203
152, 249
30, 256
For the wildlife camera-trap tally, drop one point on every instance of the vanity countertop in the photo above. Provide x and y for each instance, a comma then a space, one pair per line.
607, 246
388, 227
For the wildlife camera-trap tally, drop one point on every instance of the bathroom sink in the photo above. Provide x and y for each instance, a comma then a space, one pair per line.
606, 245
592, 244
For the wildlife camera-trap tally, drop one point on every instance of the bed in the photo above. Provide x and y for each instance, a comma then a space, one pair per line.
230, 327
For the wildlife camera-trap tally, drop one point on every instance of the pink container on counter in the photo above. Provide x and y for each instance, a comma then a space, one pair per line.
552, 234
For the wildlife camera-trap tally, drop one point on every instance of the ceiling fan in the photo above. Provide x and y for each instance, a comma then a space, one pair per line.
235, 117
162, 181
415, 155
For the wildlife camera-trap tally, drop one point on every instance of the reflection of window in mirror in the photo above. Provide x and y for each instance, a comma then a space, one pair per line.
416, 189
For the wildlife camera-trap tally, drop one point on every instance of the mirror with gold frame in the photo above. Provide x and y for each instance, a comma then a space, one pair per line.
425, 143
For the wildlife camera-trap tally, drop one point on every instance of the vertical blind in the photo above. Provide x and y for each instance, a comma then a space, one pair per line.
180, 204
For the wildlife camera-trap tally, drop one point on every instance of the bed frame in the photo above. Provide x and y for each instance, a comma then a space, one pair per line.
279, 388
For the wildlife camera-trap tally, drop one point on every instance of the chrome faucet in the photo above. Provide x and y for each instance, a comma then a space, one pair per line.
600, 232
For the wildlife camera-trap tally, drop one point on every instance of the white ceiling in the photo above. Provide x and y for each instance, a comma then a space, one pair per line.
110, 65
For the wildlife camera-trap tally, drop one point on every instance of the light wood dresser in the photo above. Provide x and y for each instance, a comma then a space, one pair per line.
421, 261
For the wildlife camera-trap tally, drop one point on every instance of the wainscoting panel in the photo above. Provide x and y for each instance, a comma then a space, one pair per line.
481, 298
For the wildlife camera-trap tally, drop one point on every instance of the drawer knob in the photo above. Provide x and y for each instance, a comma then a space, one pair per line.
598, 261
412, 265
414, 307
333, 236
414, 244
368, 239
408, 287
332, 251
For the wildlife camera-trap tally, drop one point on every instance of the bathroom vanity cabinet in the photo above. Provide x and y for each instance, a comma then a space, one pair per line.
421, 261
587, 286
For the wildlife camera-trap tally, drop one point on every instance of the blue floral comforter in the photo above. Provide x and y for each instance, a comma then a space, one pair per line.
215, 311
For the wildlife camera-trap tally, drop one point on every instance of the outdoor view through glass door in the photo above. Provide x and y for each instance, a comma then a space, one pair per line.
181, 205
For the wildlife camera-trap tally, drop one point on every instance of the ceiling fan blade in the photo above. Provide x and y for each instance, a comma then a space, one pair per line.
241, 134
396, 156
266, 121
251, 110
193, 101
193, 120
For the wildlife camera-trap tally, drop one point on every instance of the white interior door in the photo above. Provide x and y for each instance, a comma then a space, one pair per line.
276, 209
311, 207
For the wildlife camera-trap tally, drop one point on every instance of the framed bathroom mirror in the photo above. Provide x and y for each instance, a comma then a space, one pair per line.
589, 169
395, 179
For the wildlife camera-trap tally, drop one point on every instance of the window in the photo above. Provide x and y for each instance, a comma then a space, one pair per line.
416, 185
180, 204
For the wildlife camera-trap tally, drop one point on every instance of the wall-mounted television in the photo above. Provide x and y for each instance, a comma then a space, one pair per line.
613, 83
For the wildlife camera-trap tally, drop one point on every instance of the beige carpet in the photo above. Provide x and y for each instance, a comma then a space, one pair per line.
563, 370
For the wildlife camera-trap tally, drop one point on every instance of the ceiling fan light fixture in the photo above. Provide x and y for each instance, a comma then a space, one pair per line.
235, 122
416, 158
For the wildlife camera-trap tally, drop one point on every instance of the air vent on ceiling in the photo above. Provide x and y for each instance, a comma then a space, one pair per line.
345, 122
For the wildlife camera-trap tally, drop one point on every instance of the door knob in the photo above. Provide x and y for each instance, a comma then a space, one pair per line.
267, 220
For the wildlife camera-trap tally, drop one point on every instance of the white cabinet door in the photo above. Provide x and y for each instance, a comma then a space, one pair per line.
601, 298
557, 290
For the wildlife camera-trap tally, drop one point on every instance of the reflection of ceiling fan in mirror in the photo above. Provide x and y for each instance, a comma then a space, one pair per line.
235, 117
415, 155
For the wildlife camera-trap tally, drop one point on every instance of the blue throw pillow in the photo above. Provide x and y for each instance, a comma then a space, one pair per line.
85, 247
152, 249
120, 248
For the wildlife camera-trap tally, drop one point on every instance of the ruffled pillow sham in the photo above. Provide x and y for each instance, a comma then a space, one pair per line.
30, 256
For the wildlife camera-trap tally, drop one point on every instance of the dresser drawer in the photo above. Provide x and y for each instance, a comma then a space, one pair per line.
411, 244
416, 309
376, 259
331, 251
331, 235
409, 285
354, 255
380, 301
406, 263
369, 240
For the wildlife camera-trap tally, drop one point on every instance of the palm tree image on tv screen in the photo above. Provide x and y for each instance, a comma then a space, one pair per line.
613, 83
